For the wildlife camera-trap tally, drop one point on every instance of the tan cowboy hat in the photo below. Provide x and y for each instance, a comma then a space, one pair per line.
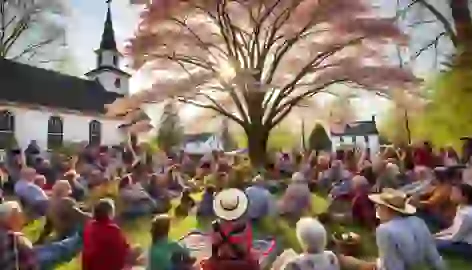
393, 199
230, 204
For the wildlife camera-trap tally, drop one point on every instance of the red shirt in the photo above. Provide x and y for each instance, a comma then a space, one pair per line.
105, 246
363, 210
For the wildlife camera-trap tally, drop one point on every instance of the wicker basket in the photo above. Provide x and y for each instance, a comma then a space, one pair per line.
351, 247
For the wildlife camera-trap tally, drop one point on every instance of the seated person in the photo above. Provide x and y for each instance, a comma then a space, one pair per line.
205, 208
135, 200
232, 234
363, 211
296, 199
435, 207
19, 252
158, 191
78, 191
64, 216
261, 201
186, 204
105, 246
311, 235
163, 249
31, 195
457, 239
403, 240
423, 180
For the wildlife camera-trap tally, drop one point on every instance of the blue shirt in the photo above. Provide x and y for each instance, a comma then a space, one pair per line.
261, 202
29, 192
406, 243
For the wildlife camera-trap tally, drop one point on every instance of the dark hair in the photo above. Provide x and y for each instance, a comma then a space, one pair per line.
466, 191
103, 209
210, 189
160, 227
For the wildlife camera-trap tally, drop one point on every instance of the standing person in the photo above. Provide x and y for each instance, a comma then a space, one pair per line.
105, 245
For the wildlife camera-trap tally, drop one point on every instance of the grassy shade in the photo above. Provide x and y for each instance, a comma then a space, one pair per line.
138, 233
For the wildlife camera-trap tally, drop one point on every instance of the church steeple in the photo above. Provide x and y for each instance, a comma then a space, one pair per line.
108, 71
108, 37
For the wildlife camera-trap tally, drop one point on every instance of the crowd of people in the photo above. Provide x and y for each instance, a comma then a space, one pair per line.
417, 201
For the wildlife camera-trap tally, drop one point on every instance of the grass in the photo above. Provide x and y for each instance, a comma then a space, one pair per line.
138, 233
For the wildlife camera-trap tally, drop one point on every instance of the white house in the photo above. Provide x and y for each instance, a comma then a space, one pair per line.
52, 108
363, 134
201, 143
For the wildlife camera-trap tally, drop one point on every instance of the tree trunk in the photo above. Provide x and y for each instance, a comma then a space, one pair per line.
463, 23
257, 138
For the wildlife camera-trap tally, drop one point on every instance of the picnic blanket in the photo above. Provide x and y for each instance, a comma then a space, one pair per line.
199, 244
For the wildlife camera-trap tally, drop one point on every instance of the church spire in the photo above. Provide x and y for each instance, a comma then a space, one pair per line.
108, 37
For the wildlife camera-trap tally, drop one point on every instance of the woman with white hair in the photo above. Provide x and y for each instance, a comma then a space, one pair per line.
312, 237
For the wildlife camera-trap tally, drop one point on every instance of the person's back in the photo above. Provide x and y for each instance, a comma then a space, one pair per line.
320, 261
29, 192
406, 242
161, 254
105, 247
261, 202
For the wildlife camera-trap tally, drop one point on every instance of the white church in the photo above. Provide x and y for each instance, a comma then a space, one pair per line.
54, 108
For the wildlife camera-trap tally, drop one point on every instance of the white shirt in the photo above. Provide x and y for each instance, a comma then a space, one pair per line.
461, 228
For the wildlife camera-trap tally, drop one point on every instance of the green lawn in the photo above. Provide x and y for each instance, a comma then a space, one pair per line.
138, 233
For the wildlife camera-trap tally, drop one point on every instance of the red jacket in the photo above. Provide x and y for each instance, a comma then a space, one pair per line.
105, 246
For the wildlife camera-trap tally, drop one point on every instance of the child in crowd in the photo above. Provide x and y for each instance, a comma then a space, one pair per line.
166, 254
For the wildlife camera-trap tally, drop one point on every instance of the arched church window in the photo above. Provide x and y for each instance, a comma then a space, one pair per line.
7, 129
95, 132
55, 132
115, 60
99, 59
117, 83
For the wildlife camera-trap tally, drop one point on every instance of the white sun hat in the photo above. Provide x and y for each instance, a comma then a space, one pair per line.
230, 204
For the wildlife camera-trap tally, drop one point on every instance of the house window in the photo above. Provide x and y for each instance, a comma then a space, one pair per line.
117, 83
7, 129
95, 132
341, 139
115, 60
55, 132
366, 139
354, 140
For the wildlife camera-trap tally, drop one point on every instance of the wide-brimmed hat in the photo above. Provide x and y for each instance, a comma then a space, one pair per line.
230, 204
393, 199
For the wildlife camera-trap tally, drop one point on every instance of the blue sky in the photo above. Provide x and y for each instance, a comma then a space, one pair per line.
86, 26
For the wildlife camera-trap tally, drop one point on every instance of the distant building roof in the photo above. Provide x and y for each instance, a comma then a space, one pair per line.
21, 83
198, 137
358, 128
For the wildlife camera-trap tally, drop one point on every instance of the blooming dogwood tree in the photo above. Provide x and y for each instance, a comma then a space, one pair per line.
254, 61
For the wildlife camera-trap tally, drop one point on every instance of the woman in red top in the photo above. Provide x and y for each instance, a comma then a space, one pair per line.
105, 246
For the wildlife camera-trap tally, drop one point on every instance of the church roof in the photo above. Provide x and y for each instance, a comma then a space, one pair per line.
21, 83
358, 128
107, 68
108, 36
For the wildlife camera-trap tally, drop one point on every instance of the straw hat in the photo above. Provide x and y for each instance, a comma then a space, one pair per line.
230, 204
393, 199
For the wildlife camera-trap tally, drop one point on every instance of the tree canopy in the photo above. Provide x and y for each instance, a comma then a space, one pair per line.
254, 61
170, 132
32, 30
319, 139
